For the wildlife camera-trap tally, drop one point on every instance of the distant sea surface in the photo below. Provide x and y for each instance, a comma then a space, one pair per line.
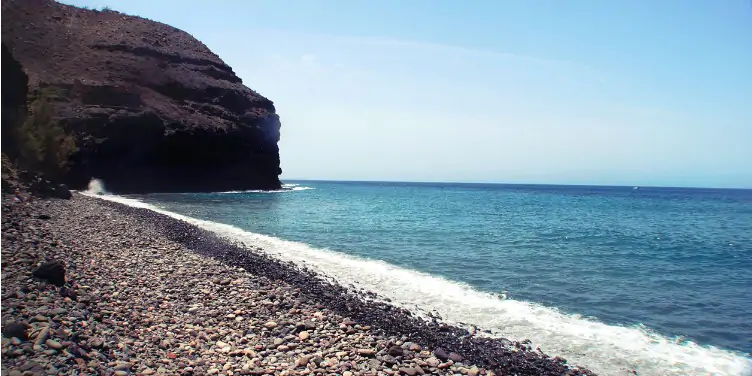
656, 280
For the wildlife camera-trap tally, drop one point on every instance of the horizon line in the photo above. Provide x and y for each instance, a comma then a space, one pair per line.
516, 184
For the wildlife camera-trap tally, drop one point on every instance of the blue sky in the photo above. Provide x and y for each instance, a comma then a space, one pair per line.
572, 92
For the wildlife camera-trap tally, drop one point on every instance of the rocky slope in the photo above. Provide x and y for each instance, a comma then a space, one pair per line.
153, 108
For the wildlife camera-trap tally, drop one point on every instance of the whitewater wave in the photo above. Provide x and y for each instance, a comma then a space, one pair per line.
285, 188
605, 349
96, 187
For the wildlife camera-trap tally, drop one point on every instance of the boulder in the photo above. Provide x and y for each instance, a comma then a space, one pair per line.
15, 329
441, 354
53, 272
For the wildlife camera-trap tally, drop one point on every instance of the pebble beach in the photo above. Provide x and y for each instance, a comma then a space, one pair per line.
147, 294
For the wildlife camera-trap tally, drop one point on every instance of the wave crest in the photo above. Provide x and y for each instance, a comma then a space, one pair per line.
290, 187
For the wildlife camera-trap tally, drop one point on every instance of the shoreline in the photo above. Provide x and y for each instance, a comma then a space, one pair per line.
397, 340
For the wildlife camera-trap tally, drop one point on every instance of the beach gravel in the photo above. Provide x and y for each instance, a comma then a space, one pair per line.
133, 292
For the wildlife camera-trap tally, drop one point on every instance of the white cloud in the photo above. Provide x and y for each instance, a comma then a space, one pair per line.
447, 48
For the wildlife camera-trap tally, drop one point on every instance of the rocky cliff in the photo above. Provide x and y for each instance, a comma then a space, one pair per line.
151, 107
14, 93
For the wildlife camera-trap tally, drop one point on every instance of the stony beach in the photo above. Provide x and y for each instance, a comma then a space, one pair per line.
147, 294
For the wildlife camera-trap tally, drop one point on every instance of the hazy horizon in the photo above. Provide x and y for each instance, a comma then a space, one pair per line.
521, 92
285, 180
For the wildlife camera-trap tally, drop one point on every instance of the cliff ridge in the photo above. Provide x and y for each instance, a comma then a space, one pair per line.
152, 108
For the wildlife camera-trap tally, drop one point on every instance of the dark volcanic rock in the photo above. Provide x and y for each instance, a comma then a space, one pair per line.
395, 351
441, 354
14, 93
61, 191
53, 271
152, 108
389, 360
45, 188
15, 329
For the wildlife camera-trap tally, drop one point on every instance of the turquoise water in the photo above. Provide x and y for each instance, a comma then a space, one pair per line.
671, 265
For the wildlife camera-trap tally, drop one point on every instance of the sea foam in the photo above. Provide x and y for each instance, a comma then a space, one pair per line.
285, 188
96, 187
605, 349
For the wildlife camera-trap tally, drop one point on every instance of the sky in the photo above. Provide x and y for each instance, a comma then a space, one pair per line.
518, 91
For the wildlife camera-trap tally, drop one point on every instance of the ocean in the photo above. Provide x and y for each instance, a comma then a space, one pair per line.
656, 280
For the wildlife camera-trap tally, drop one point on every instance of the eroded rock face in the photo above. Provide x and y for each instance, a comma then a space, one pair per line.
14, 92
152, 108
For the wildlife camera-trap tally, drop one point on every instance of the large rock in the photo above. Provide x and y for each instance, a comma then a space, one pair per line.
152, 108
15, 329
45, 188
53, 271
395, 351
441, 354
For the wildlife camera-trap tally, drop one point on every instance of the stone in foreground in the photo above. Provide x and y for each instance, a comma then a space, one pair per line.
52, 271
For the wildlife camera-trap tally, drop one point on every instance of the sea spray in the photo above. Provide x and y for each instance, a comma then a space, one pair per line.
96, 187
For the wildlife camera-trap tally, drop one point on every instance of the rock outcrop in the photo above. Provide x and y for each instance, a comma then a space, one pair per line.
151, 107
14, 93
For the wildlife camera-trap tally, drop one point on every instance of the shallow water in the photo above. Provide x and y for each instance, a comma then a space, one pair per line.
612, 278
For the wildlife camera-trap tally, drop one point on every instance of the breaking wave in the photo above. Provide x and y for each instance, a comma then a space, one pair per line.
285, 188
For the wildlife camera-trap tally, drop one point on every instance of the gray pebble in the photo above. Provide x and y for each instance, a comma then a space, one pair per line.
51, 343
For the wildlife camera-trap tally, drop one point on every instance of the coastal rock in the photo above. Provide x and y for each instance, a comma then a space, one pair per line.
152, 108
46, 188
441, 354
14, 105
433, 362
367, 352
43, 335
53, 271
302, 361
457, 358
60, 191
51, 343
389, 360
409, 371
122, 366
395, 351
15, 330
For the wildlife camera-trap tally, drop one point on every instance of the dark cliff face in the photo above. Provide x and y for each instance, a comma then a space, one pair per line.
14, 94
152, 108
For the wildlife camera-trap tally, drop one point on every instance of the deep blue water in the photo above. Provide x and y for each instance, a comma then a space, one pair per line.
678, 261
